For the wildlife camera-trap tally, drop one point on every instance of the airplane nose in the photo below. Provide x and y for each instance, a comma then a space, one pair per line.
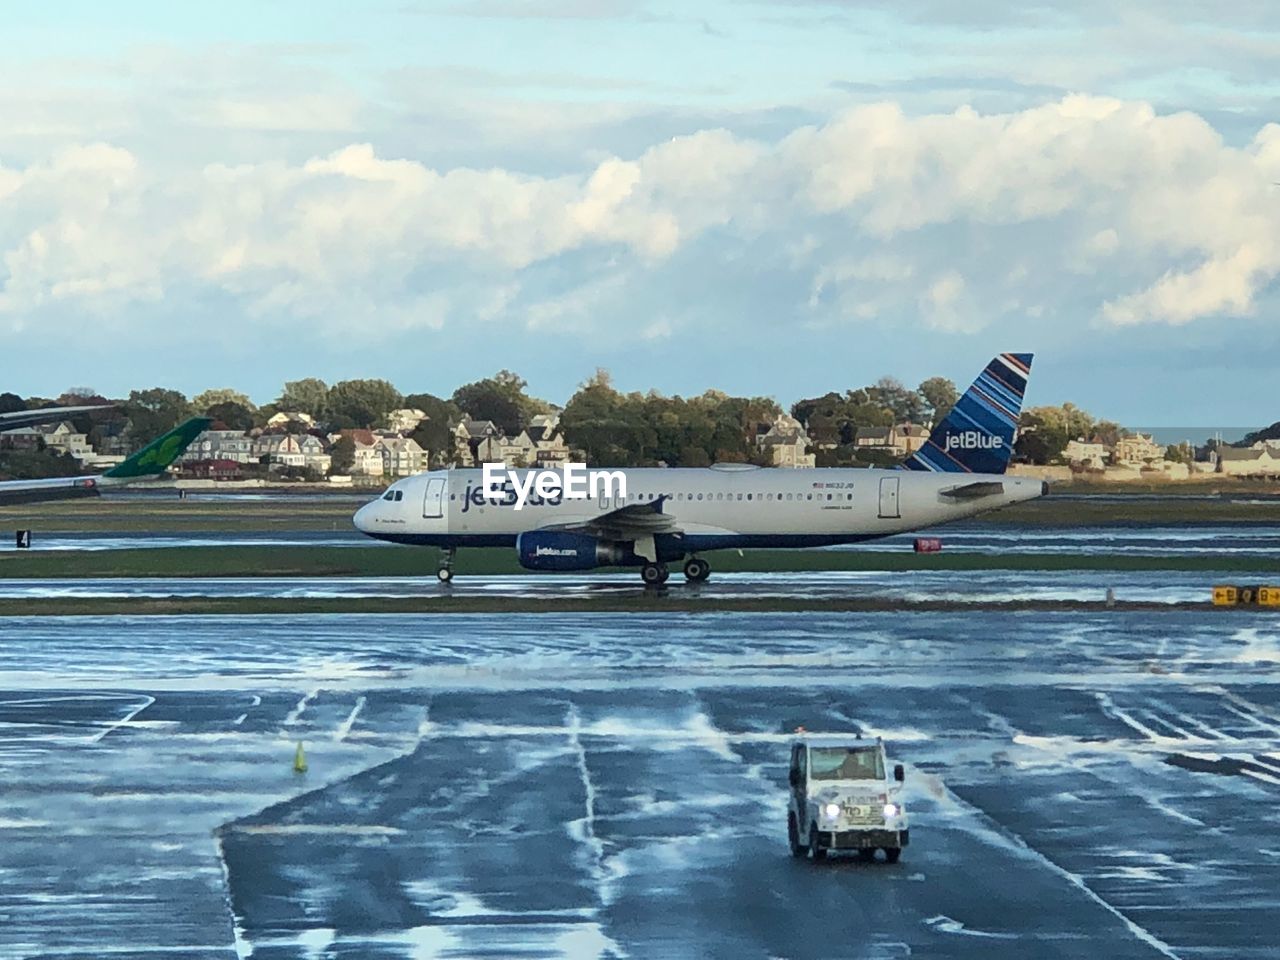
362, 519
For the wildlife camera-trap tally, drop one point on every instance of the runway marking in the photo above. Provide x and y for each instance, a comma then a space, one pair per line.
1016, 843
120, 723
947, 925
1193, 721
292, 717
601, 871
1109, 709
316, 829
344, 728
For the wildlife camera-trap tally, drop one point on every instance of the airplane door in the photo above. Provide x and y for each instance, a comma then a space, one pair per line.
889, 498
433, 499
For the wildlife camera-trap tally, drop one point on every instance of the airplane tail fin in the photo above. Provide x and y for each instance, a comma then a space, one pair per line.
155, 457
977, 435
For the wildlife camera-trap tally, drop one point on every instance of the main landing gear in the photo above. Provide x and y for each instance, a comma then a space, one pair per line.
445, 573
696, 570
654, 574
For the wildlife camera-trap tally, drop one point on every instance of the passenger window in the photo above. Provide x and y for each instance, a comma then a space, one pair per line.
699, 496
788, 496
828, 496
848, 496
748, 496
739, 496
811, 496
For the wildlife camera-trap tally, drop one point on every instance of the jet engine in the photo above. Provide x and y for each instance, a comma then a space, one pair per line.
558, 550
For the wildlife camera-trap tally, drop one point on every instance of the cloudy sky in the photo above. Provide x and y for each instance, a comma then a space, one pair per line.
776, 197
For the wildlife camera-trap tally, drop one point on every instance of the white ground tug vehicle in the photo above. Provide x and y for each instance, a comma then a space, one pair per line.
841, 798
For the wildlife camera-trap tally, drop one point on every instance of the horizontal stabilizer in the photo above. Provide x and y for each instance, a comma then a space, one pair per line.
972, 491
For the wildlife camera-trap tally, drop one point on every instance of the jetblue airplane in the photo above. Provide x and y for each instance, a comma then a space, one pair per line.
149, 462
672, 515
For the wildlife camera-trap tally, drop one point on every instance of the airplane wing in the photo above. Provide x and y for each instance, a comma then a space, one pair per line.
151, 461
631, 522
30, 418
637, 522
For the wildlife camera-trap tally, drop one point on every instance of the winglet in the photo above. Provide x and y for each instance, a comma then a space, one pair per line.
977, 435
155, 457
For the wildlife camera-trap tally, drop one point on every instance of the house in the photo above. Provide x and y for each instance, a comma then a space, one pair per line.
1137, 449
518, 451
1089, 454
368, 461
24, 438
279, 450
476, 441
315, 453
63, 437
1250, 462
549, 447
540, 444
910, 437
786, 444
401, 456
900, 439
405, 420
212, 470
234, 445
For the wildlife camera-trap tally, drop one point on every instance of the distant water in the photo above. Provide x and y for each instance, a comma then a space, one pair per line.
1197, 435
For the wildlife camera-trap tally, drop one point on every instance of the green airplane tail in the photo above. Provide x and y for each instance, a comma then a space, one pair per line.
156, 456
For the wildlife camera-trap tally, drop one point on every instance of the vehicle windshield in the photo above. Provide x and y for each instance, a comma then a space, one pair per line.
845, 763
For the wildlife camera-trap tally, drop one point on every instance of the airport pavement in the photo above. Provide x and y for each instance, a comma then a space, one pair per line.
613, 785
913, 586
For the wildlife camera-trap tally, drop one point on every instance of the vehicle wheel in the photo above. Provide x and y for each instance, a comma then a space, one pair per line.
793, 838
654, 573
445, 575
696, 570
891, 854
815, 852
867, 855
662, 568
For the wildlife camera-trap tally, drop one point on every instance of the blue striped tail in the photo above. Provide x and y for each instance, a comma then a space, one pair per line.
977, 435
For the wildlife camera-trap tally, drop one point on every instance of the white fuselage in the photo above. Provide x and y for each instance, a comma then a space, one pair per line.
714, 507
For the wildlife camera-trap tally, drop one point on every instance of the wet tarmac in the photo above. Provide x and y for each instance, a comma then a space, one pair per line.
979, 587
1226, 539
604, 785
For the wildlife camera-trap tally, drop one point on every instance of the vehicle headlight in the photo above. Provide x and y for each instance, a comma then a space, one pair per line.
832, 810
892, 809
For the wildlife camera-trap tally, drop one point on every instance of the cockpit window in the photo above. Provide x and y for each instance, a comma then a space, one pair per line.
394, 495
399, 495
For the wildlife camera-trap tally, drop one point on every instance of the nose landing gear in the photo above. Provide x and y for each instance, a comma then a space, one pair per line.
445, 573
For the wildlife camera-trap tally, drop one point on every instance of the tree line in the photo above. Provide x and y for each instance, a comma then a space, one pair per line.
608, 426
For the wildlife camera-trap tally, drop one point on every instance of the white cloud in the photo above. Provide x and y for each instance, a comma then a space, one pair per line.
948, 219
